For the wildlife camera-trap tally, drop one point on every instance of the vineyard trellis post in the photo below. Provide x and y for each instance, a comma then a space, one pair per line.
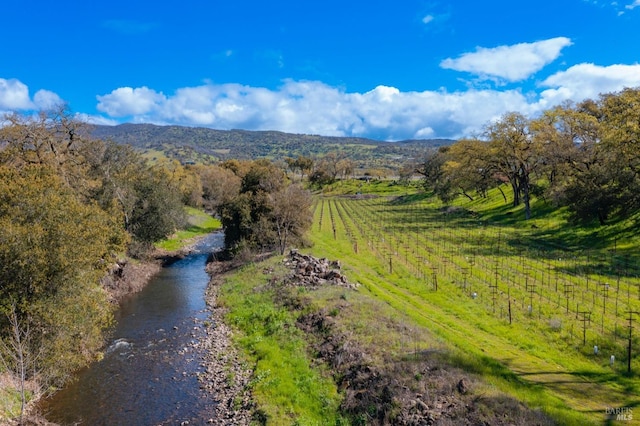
435, 279
568, 289
605, 294
509, 297
586, 318
631, 313
465, 273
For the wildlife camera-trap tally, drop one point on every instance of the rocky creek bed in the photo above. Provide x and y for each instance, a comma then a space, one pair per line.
418, 390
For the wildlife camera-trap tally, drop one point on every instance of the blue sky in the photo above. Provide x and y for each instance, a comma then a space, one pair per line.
387, 70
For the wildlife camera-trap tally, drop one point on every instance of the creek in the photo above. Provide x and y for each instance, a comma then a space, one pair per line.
148, 375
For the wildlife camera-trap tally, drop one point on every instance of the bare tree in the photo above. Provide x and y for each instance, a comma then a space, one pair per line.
17, 356
290, 214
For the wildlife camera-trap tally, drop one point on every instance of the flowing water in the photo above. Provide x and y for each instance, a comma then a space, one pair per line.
149, 372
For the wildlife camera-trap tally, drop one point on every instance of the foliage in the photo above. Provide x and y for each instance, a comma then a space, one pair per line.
286, 216
302, 164
584, 157
69, 205
200, 223
150, 201
54, 249
208, 146
514, 155
267, 212
219, 185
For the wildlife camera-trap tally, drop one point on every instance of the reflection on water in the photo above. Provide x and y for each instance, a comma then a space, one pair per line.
148, 374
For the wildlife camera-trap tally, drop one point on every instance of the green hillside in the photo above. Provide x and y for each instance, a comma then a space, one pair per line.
205, 145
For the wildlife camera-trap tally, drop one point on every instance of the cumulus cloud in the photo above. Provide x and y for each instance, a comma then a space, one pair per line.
384, 112
126, 101
512, 63
587, 80
14, 95
316, 108
96, 119
45, 99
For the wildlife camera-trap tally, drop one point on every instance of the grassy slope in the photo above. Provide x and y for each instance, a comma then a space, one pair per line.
287, 387
200, 223
524, 359
397, 312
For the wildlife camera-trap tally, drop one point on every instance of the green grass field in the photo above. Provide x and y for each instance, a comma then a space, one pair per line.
287, 386
521, 303
200, 223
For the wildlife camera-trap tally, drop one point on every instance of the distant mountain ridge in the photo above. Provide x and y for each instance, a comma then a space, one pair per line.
199, 144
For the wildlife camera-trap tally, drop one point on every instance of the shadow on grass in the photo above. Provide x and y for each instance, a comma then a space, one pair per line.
581, 380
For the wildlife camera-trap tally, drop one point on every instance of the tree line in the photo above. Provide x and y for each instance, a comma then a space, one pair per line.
583, 156
71, 206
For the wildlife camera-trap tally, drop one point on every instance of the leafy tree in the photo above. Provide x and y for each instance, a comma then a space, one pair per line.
620, 125
430, 167
604, 176
594, 192
468, 169
320, 178
219, 185
237, 219
304, 164
158, 209
330, 164
54, 249
345, 167
515, 155
148, 198
184, 179
262, 177
239, 168
52, 138
567, 136
266, 212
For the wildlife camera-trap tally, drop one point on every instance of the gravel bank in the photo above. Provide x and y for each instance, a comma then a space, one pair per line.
226, 377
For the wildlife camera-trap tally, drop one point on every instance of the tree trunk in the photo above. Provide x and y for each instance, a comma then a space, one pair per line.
527, 204
466, 195
516, 192
503, 194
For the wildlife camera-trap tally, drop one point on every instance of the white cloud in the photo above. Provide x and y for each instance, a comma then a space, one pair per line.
511, 63
427, 19
586, 80
127, 101
633, 5
96, 119
45, 99
316, 108
14, 95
